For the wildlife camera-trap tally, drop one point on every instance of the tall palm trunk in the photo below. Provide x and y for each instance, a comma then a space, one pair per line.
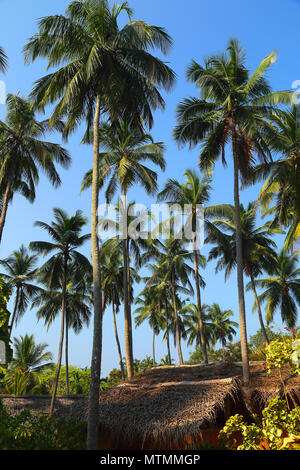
239, 257
259, 309
67, 356
153, 345
93, 411
201, 325
14, 312
118, 341
168, 334
4, 208
61, 339
127, 315
176, 322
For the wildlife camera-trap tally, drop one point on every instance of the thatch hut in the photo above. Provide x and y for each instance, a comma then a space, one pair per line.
162, 407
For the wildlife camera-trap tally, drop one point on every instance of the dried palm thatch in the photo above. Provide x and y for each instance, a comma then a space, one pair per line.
160, 408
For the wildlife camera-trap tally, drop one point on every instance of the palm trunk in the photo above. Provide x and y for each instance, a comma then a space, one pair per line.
67, 356
14, 312
60, 349
168, 335
93, 410
176, 323
259, 309
127, 316
240, 280
4, 209
153, 345
201, 325
118, 342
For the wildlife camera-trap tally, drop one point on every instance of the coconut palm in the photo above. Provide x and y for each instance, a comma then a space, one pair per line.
149, 308
23, 373
126, 149
112, 270
280, 194
172, 269
104, 70
233, 108
222, 327
66, 236
258, 246
23, 151
20, 271
190, 314
78, 305
282, 289
194, 192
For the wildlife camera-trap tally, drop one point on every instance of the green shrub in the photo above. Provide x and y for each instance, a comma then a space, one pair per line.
28, 431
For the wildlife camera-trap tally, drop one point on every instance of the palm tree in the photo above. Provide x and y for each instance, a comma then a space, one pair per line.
66, 235
149, 309
282, 288
105, 70
234, 107
258, 246
77, 308
190, 314
173, 270
222, 327
3, 60
194, 192
29, 356
23, 374
20, 271
126, 150
281, 177
113, 285
24, 151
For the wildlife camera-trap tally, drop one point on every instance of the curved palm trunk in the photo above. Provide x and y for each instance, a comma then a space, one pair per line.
259, 309
240, 280
4, 209
14, 312
93, 411
118, 341
176, 323
201, 325
127, 313
60, 349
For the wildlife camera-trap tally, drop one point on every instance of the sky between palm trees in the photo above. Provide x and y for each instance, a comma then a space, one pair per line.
198, 30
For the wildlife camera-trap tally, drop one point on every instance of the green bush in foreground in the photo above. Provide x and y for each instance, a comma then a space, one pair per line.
28, 431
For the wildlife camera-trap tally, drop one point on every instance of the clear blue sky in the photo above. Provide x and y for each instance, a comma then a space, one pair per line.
198, 28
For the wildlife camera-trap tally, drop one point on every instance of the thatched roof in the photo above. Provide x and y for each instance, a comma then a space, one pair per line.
169, 403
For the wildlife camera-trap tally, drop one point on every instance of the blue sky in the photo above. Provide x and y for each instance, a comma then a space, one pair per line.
198, 28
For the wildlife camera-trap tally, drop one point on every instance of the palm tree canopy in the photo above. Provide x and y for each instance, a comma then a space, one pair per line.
66, 234
233, 104
258, 246
126, 149
222, 327
20, 273
24, 150
29, 356
282, 289
97, 58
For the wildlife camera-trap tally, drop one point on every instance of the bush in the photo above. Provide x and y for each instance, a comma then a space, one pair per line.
28, 431
279, 429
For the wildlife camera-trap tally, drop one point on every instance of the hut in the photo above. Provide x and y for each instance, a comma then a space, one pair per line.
164, 407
